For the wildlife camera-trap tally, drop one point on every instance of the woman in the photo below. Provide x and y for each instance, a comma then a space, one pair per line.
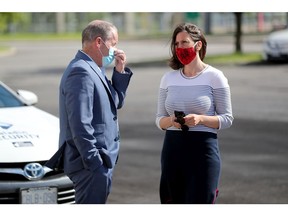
199, 95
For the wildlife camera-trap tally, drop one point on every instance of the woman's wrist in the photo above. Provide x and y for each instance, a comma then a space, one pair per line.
171, 121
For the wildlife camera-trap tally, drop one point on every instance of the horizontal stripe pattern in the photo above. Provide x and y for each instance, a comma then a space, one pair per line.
207, 94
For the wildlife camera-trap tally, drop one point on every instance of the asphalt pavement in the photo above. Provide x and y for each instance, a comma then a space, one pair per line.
254, 150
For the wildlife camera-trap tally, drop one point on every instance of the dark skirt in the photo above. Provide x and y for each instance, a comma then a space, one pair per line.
190, 168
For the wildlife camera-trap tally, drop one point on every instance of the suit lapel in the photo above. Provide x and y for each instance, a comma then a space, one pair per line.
97, 70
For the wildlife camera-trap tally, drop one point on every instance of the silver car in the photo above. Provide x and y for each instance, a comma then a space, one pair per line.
28, 138
276, 46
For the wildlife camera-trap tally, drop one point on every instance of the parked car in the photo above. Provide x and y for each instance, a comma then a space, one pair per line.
28, 138
276, 46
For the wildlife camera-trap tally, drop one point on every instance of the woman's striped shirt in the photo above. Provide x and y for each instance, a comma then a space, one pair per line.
207, 93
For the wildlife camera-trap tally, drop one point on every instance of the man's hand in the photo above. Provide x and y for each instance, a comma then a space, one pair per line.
120, 60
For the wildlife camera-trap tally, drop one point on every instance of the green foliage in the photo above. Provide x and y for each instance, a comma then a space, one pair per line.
234, 58
40, 36
9, 20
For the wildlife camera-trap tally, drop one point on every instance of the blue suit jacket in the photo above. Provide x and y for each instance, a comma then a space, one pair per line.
89, 131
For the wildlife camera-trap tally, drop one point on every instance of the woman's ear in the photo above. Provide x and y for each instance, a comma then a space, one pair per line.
198, 45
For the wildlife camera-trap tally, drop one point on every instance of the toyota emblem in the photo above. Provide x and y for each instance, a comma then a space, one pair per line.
33, 171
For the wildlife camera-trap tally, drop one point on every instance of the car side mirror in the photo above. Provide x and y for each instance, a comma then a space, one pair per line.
28, 97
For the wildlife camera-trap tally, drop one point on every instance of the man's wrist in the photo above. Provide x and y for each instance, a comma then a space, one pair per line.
121, 71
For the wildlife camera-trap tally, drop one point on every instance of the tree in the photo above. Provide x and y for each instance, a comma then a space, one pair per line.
8, 20
238, 32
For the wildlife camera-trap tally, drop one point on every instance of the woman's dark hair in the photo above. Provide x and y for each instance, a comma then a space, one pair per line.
195, 33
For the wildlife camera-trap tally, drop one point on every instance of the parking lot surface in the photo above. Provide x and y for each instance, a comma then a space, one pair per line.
254, 150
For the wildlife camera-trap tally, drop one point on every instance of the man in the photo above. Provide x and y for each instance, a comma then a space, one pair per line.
89, 132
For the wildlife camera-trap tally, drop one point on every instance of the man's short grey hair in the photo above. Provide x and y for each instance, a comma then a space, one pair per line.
97, 28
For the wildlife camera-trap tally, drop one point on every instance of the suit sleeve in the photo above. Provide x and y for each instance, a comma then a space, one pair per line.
120, 82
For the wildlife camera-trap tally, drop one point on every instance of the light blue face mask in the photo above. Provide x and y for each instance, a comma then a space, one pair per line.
107, 60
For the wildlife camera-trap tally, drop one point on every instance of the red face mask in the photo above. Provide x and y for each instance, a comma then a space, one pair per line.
185, 55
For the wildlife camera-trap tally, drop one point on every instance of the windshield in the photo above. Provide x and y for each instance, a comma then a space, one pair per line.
7, 99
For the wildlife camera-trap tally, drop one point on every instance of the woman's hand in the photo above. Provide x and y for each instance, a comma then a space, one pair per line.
209, 121
192, 120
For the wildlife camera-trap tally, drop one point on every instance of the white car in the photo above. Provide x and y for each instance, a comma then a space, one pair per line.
276, 46
28, 138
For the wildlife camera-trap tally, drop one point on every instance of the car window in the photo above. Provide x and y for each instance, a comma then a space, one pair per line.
7, 99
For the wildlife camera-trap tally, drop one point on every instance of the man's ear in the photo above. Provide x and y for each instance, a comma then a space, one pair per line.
97, 41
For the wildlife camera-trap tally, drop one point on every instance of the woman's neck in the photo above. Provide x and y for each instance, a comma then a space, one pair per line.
193, 69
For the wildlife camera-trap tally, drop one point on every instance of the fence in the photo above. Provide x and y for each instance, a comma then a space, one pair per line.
143, 24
